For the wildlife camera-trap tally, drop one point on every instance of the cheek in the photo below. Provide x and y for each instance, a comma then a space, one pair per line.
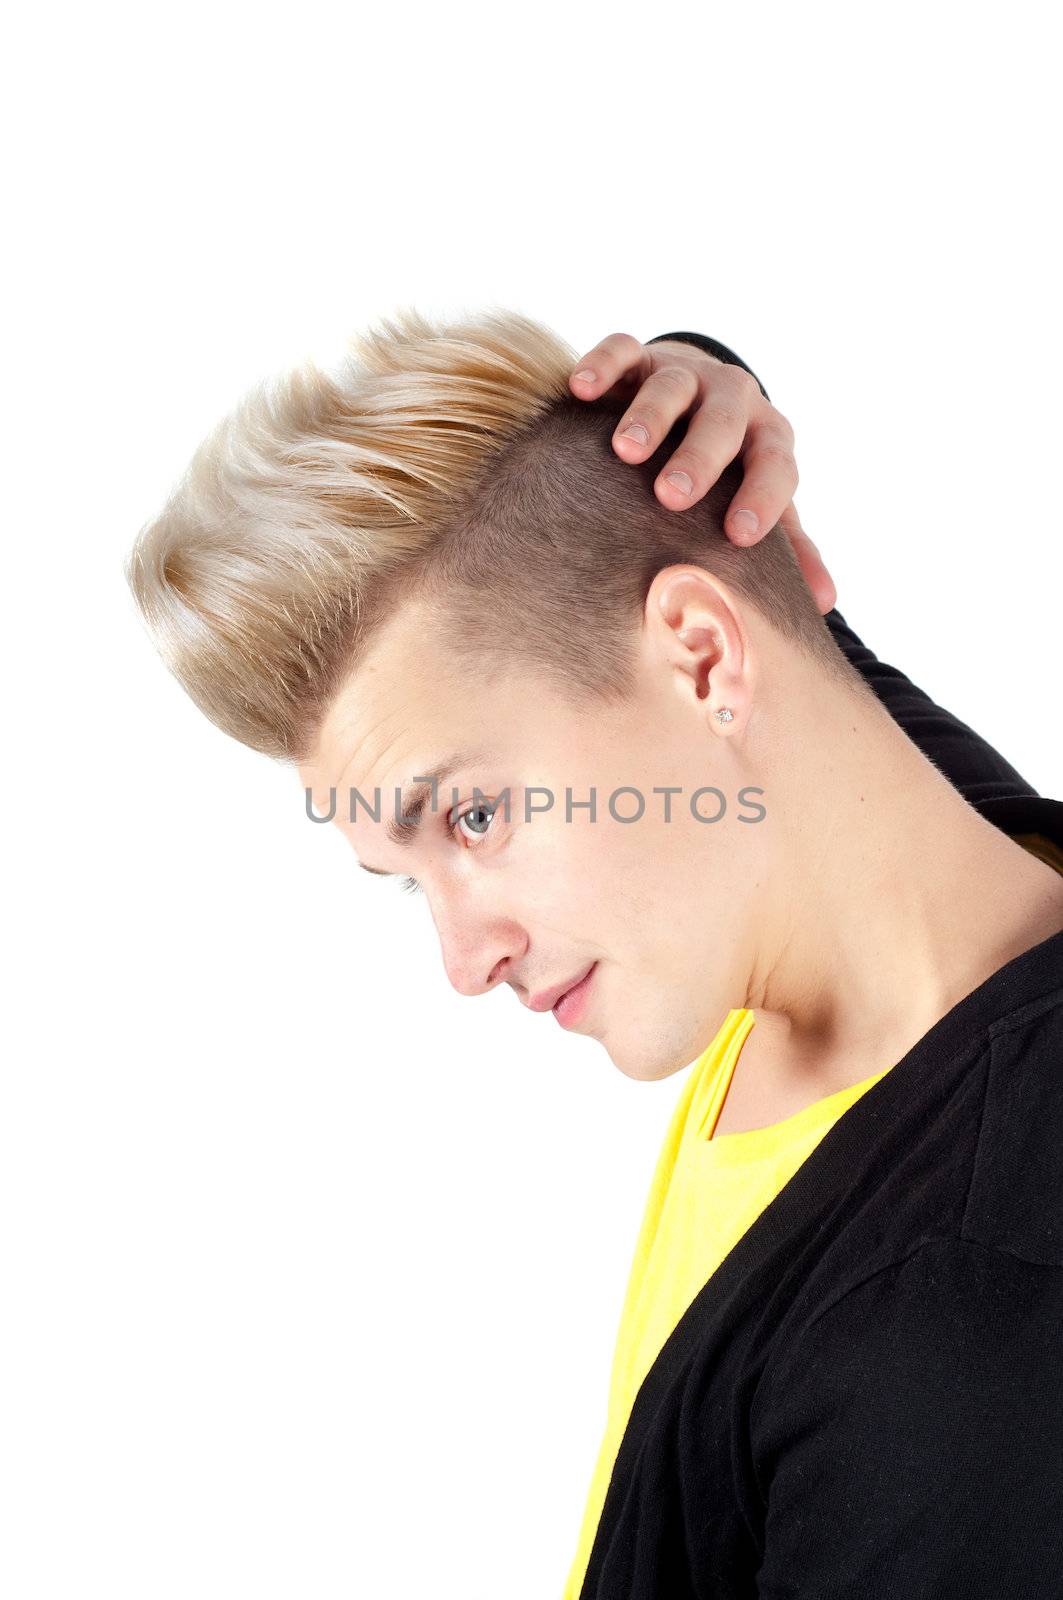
607, 879
562, 877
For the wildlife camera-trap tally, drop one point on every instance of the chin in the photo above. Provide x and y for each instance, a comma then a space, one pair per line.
645, 1060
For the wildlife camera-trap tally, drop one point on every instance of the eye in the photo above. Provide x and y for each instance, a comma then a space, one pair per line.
478, 820
410, 886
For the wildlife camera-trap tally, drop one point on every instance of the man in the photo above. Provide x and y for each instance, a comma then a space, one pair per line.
645, 783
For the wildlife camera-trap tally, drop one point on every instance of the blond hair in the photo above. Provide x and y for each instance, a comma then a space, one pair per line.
449, 461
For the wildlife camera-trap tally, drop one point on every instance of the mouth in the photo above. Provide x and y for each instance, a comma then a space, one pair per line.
573, 1003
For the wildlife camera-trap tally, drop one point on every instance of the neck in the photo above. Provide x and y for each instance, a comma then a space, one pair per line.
891, 898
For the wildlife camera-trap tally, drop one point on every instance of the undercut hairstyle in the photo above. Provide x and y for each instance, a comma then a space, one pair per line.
442, 462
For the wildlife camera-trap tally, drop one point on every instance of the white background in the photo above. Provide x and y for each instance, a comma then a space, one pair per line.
311, 1269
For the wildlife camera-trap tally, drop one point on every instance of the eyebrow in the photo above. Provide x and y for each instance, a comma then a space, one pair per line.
402, 829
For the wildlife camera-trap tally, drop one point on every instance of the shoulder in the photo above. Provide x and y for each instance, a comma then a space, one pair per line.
1015, 1202
920, 1418
908, 1323
957, 1344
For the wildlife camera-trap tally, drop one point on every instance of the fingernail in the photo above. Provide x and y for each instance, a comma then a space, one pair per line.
586, 375
636, 432
682, 482
745, 524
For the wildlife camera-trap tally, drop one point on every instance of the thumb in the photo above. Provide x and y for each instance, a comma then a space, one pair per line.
809, 560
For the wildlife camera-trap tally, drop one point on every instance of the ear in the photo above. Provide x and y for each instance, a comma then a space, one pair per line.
693, 629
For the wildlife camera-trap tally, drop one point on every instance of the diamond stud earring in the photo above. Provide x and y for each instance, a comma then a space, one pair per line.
725, 714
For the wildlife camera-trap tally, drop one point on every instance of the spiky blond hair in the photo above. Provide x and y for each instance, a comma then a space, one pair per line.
447, 460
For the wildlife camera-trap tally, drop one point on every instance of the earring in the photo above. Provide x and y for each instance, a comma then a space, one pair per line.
725, 714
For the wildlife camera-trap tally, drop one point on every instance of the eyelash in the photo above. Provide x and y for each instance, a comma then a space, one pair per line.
410, 885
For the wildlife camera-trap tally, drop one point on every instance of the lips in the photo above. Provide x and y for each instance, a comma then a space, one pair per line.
571, 1007
548, 998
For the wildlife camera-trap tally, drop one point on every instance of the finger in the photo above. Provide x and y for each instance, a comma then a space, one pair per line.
769, 479
713, 439
606, 364
666, 395
810, 561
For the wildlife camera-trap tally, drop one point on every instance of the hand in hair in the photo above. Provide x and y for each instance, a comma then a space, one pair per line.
728, 417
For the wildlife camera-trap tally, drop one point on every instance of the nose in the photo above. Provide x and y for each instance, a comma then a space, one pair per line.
480, 949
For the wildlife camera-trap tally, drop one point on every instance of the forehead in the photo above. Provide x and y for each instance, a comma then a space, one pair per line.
398, 693
410, 703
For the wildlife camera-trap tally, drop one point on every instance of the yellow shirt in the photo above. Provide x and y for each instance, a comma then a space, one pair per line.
704, 1195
